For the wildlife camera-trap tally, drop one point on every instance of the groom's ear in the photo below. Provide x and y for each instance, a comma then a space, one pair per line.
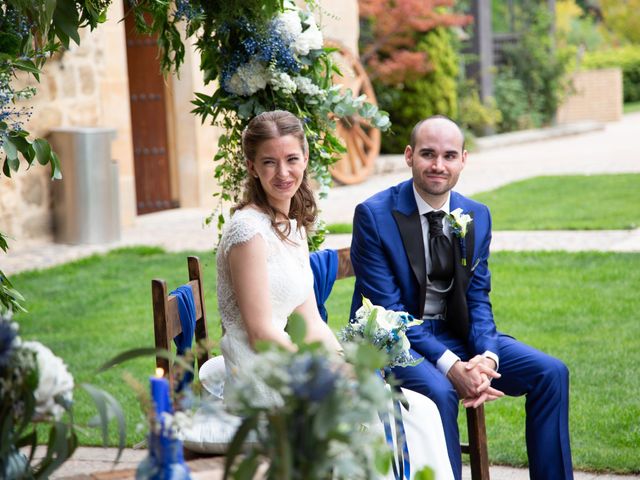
408, 155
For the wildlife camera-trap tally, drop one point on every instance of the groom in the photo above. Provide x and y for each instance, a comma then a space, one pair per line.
410, 255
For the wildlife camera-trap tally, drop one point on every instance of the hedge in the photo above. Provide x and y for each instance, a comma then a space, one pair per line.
628, 59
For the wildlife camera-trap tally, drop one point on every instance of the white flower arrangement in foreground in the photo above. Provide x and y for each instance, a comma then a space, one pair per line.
55, 383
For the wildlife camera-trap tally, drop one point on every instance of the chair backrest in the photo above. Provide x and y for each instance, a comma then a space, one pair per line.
345, 269
166, 320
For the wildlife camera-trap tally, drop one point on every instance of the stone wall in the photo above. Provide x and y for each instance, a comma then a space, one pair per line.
597, 96
67, 95
85, 86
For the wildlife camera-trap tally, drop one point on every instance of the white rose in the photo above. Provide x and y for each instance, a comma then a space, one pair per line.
387, 319
310, 39
288, 25
54, 379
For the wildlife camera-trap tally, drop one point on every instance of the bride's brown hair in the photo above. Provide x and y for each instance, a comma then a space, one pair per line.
267, 126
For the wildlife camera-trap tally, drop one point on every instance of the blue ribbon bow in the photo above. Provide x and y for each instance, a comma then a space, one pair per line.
401, 462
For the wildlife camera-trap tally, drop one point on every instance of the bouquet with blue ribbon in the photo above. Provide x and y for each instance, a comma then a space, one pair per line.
386, 330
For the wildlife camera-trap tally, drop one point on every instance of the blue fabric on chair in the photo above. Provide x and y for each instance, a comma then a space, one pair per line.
187, 313
324, 265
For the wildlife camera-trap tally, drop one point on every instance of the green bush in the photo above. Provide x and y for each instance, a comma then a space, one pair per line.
533, 79
628, 59
474, 115
435, 93
518, 112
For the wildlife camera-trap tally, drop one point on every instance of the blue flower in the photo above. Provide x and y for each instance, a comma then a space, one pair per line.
7, 337
187, 11
312, 378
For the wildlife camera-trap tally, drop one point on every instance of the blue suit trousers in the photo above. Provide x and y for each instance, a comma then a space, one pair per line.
525, 371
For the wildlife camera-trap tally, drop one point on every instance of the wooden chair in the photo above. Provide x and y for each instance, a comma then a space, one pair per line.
477, 446
166, 320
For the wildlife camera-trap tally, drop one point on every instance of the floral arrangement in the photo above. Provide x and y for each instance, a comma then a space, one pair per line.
385, 330
35, 385
37, 388
264, 55
308, 413
280, 64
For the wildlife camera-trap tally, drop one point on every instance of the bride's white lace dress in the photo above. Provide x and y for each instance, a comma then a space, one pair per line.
290, 282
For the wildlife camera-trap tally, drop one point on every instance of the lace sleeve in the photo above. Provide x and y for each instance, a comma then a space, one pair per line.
243, 226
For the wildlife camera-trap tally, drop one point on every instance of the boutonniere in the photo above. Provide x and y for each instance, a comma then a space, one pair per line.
459, 223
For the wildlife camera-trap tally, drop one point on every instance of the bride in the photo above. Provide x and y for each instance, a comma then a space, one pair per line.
264, 273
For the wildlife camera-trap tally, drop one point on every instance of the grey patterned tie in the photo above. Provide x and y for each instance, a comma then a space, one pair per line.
440, 248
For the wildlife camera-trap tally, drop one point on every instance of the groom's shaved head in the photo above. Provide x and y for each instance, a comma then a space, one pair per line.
416, 129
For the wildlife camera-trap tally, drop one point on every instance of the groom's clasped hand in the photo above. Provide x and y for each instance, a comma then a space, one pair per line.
472, 381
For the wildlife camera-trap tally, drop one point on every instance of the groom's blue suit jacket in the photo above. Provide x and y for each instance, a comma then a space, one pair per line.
388, 257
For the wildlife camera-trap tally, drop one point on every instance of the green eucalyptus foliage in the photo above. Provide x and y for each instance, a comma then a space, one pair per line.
315, 427
434, 93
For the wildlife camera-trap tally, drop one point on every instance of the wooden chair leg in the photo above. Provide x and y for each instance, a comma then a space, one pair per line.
478, 453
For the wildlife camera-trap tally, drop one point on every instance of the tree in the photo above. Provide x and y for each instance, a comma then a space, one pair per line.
408, 52
392, 30
622, 18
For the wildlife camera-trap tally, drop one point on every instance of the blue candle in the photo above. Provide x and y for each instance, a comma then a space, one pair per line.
160, 394
165, 460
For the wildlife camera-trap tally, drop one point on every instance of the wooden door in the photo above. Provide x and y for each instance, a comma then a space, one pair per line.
148, 122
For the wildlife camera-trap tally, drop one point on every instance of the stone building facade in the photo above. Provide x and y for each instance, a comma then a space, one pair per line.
89, 86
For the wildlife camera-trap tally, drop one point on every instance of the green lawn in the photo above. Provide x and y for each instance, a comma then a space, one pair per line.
568, 202
580, 307
631, 107
339, 228
576, 202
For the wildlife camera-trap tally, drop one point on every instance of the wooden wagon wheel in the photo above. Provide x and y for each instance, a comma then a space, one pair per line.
361, 140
